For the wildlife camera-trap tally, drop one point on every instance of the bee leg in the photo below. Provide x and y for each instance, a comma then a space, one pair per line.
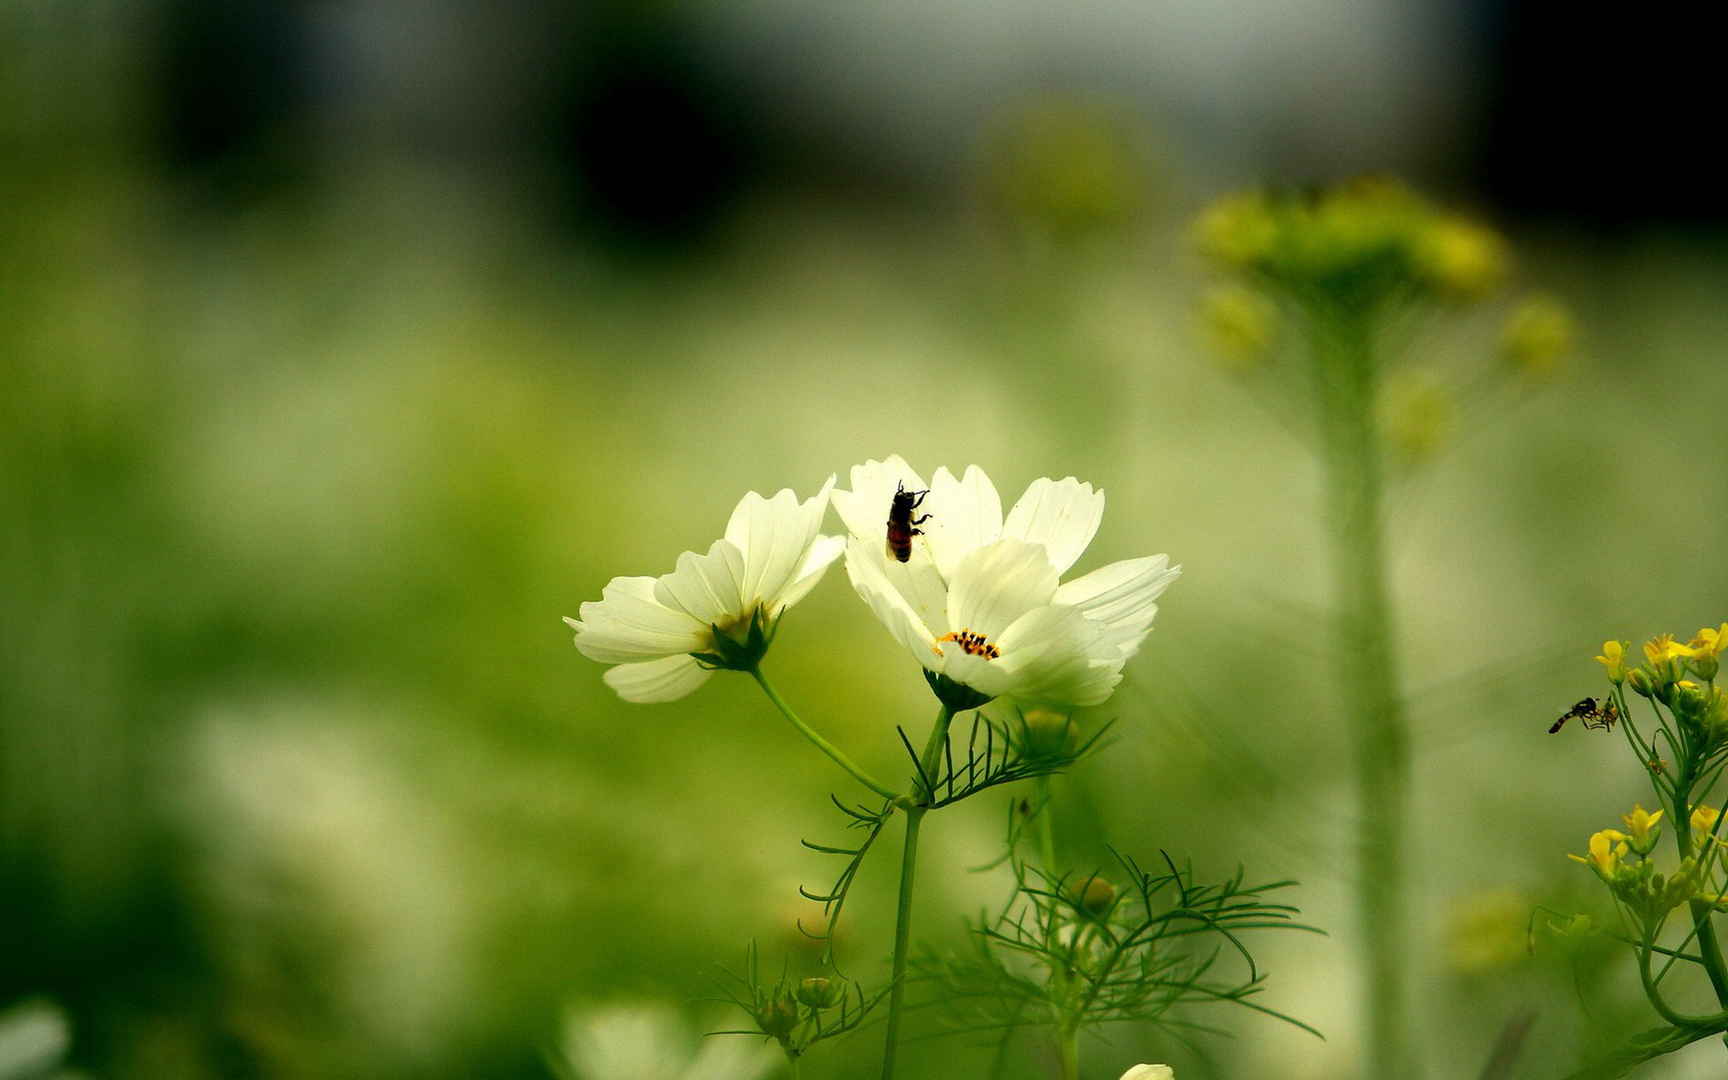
921, 520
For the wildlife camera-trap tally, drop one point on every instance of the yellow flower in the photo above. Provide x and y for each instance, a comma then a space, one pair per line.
1704, 819
1706, 645
1663, 647
1708, 642
1607, 848
1643, 826
1614, 659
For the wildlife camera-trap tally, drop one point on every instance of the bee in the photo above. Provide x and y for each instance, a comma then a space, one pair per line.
1591, 714
902, 526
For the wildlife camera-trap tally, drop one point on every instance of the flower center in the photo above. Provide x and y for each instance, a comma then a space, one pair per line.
972, 644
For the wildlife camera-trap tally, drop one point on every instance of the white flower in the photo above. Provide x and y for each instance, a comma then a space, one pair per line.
979, 600
649, 1042
1150, 1072
715, 605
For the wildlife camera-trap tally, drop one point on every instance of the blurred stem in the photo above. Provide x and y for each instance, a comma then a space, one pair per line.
1069, 1042
822, 744
908, 871
1067, 1034
1345, 382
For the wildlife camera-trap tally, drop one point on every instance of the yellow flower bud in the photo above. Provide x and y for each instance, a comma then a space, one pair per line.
1238, 230
1539, 333
1641, 682
1238, 326
1462, 258
1417, 415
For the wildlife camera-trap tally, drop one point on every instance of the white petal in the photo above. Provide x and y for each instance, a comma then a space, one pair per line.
983, 675
864, 509
707, 587
816, 562
627, 623
1056, 655
1122, 596
667, 679
864, 565
965, 515
771, 535
997, 584
1063, 515
1150, 1072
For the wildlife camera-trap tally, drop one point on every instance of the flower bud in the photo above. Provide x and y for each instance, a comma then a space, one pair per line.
1048, 734
1640, 681
1238, 326
1462, 258
1094, 897
820, 992
1537, 335
778, 1015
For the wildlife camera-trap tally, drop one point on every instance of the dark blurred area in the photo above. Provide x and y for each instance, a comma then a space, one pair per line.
345, 345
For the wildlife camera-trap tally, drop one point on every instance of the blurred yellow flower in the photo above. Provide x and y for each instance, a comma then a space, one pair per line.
1462, 258
1538, 334
1485, 931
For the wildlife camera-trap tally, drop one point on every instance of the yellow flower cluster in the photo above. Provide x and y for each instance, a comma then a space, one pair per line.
1364, 241
1635, 882
1667, 662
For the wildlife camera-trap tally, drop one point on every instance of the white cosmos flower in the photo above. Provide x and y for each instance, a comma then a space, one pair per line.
771, 556
1150, 1072
979, 598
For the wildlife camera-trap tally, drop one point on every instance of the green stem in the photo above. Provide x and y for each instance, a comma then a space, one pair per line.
1068, 1039
834, 752
1067, 1035
792, 1059
1709, 949
1344, 367
903, 911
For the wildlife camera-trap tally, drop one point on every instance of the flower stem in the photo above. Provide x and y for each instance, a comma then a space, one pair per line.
835, 753
1345, 374
903, 913
1709, 948
1068, 1039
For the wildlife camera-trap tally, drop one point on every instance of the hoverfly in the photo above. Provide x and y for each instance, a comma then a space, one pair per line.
1591, 714
902, 526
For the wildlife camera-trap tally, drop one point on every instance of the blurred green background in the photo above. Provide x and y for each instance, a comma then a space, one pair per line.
346, 346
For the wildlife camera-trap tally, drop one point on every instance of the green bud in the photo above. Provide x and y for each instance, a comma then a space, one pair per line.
1048, 734
820, 992
1095, 897
778, 1015
1705, 666
1641, 683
